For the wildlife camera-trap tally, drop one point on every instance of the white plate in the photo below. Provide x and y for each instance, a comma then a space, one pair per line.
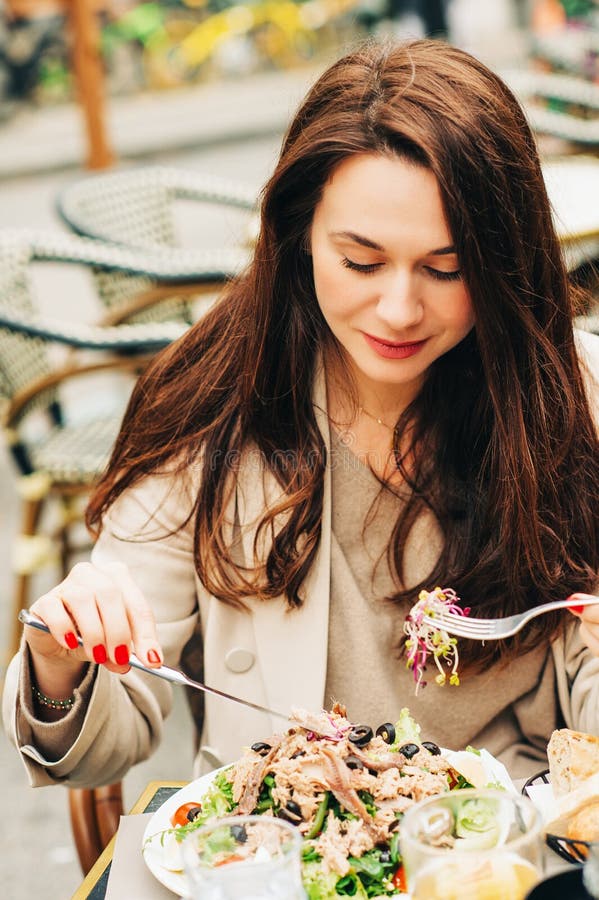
154, 853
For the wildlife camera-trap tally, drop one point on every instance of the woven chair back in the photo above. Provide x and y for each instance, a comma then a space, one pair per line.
135, 212
137, 209
23, 359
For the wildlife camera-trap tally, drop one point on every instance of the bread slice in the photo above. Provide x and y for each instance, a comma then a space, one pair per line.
584, 824
573, 758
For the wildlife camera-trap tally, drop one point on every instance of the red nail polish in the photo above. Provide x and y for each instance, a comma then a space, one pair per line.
99, 654
153, 656
576, 609
121, 655
71, 640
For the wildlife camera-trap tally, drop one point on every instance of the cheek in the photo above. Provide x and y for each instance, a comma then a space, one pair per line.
458, 312
330, 285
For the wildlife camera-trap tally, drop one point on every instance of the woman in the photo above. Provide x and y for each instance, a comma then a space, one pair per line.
390, 398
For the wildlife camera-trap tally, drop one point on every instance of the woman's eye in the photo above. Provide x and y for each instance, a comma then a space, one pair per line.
441, 275
364, 268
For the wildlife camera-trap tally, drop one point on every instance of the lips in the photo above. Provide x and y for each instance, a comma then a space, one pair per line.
390, 350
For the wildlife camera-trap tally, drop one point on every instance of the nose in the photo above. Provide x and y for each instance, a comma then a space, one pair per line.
399, 303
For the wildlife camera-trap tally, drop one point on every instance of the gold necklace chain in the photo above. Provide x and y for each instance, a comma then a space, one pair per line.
376, 419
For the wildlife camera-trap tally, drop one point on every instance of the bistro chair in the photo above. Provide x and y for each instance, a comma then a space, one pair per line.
141, 208
57, 456
57, 453
56, 459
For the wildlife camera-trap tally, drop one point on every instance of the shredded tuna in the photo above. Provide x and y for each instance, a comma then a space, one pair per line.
251, 789
341, 839
319, 776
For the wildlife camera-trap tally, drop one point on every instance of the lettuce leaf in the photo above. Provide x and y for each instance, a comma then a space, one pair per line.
407, 730
319, 885
216, 803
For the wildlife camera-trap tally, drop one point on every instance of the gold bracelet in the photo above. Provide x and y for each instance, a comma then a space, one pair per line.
49, 701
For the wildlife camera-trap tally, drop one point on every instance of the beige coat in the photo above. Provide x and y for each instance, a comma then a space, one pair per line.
269, 655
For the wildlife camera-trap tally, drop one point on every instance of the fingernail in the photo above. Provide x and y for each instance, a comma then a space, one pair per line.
153, 656
99, 654
577, 610
121, 655
71, 640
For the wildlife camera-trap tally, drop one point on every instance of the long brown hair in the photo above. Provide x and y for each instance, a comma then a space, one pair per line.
505, 446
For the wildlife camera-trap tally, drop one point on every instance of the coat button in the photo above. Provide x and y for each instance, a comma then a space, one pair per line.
239, 660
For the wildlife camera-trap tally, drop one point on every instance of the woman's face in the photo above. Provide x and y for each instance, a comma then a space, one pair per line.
387, 277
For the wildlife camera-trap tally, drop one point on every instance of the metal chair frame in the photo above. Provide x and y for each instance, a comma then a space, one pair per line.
29, 383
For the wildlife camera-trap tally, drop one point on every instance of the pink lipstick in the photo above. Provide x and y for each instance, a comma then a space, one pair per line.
392, 350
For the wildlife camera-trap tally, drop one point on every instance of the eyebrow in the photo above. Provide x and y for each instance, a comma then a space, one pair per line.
372, 245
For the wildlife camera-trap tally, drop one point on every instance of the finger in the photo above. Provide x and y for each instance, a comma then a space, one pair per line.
112, 609
85, 593
63, 631
80, 602
119, 670
590, 613
590, 636
141, 618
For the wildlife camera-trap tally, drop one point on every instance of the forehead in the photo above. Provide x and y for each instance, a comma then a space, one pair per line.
378, 196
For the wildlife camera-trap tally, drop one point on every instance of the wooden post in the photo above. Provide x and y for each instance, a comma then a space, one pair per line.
86, 66
89, 78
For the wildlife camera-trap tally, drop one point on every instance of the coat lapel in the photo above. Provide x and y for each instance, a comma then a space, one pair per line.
291, 644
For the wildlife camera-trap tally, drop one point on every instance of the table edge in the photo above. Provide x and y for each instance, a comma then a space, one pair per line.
84, 889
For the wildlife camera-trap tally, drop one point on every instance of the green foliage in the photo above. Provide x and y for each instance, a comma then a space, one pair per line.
578, 9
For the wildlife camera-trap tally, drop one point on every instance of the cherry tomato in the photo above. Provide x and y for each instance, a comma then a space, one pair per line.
399, 880
182, 815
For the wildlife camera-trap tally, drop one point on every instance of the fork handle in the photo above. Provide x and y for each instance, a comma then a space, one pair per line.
585, 600
581, 600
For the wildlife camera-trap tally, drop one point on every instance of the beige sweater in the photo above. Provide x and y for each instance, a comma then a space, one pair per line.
511, 712
276, 657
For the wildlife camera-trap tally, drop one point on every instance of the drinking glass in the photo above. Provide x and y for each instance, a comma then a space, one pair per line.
590, 873
472, 844
244, 858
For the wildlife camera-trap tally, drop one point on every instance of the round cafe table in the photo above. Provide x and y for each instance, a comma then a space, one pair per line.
573, 188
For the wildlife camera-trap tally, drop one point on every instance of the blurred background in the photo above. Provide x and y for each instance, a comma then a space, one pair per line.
202, 89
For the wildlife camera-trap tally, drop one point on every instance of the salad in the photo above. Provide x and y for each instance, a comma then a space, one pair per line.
424, 641
344, 786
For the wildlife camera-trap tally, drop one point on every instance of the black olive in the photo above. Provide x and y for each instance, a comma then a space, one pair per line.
352, 762
298, 753
409, 750
261, 748
290, 814
432, 748
360, 735
193, 813
239, 833
387, 732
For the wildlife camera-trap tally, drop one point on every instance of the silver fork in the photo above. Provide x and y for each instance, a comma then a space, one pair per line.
495, 629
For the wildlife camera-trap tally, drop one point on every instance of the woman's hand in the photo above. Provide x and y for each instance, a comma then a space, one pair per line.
589, 622
107, 609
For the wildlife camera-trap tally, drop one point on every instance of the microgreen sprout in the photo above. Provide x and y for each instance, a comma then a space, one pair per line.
423, 641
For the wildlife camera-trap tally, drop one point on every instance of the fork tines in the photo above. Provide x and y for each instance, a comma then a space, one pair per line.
460, 626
